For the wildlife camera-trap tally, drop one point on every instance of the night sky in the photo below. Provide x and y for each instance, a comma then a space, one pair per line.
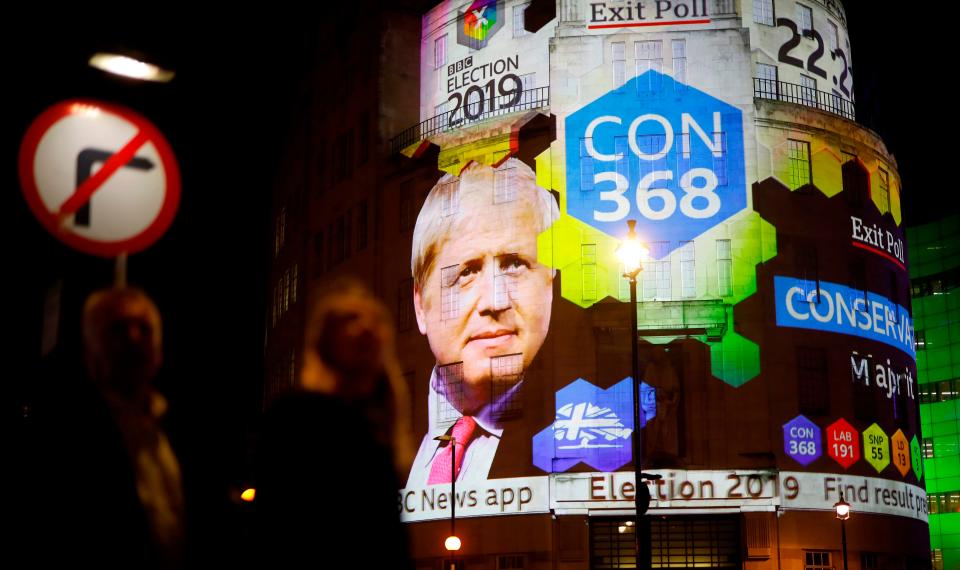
227, 115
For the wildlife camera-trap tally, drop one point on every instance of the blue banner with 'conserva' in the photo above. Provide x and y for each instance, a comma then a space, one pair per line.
840, 309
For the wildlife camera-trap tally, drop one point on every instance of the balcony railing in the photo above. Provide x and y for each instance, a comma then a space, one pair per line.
476, 109
807, 96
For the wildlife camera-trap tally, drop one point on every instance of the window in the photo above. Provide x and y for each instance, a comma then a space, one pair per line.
449, 292
763, 12
274, 305
280, 231
819, 560
586, 167
505, 371
868, 561
807, 263
679, 48
805, 17
343, 155
767, 87
339, 239
651, 145
724, 268
504, 185
286, 290
883, 187
511, 562
936, 284
449, 393
618, 56
321, 167
649, 56
942, 391
656, 274
688, 284
928, 448
364, 138
504, 280
330, 260
675, 542
440, 111
363, 229
440, 52
450, 197
864, 395
812, 385
588, 263
318, 253
293, 282
834, 36
799, 155
720, 158
518, 19
276, 236
528, 83
292, 367
947, 502
936, 558
405, 304
949, 389
622, 148
808, 91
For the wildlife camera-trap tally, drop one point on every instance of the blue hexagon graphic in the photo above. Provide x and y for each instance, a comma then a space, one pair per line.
658, 151
592, 425
802, 440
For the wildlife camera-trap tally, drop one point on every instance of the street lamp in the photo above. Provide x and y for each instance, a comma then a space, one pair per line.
843, 513
452, 543
631, 254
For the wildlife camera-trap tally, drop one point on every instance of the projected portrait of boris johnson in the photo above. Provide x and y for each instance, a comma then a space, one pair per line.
484, 303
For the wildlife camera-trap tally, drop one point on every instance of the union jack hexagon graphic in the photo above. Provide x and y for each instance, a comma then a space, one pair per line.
592, 425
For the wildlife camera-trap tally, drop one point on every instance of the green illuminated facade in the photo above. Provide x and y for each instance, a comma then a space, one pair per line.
935, 283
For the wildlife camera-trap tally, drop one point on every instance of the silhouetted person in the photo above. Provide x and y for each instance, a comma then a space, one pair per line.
331, 450
102, 480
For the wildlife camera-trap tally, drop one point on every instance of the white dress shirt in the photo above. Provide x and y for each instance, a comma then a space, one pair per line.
480, 450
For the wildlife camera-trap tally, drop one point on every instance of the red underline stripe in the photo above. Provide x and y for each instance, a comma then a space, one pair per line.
643, 24
880, 253
85, 191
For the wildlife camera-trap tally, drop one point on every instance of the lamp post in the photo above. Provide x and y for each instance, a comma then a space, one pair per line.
843, 513
631, 254
452, 543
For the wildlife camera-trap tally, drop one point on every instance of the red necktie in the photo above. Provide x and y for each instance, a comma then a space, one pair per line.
462, 432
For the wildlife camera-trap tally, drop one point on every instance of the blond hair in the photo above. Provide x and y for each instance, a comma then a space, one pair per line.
391, 402
475, 191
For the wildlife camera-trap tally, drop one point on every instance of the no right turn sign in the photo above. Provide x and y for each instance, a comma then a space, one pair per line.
101, 178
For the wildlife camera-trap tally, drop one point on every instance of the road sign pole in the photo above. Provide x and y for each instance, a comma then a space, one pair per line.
120, 270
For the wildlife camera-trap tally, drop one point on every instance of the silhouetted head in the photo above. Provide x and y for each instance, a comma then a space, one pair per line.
122, 339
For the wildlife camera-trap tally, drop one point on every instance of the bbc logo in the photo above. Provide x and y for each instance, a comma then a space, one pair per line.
460, 65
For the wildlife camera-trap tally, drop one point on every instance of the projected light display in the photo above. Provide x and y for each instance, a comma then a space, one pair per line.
777, 255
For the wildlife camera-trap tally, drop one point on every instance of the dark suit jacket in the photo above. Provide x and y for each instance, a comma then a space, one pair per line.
531, 412
326, 489
74, 498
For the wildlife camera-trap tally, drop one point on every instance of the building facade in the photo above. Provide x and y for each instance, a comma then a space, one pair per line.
510, 144
934, 278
